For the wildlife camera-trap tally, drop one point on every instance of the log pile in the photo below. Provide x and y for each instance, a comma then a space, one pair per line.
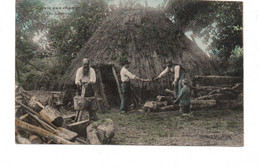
37, 122
207, 92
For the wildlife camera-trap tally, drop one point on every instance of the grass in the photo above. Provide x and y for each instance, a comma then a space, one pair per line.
212, 127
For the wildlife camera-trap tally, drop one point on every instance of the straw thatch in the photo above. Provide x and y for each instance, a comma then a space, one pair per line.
148, 40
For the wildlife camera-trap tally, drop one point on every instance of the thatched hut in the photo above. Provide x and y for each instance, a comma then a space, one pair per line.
148, 40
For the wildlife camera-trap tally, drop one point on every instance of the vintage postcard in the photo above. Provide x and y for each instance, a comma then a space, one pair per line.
129, 72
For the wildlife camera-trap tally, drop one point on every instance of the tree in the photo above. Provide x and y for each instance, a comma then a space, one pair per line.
217, 22
67, 36
29, 21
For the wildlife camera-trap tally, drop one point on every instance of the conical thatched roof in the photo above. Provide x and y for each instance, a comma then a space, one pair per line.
147, 39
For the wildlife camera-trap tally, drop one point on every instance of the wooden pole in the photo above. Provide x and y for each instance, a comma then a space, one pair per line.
41, 132
117, 82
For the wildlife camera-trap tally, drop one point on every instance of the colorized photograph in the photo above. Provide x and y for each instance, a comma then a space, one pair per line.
129, 72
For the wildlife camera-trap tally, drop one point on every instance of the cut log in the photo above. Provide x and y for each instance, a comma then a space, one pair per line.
117, 83
81, 141
105, 130
167, 108
22, 140
35, 105
35, 139
78, 123
92, 136
24, 116
150, 106
202, 104
214, 80
41, 132
51, 115
164, 98
170, 92
79, 127
67, 134
70, 116
38, 118
101, 131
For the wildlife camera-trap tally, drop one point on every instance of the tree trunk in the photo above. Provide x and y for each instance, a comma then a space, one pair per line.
41, 132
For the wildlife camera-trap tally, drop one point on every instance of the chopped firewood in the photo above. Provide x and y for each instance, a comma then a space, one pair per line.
79, 127
78, 123
202, 104
71, 116
166, 108
66, 134
24, 116
38, 118
81, 141
41, 132
164, 98
214, 80
35, 105
35, 139
51, 115
22, 140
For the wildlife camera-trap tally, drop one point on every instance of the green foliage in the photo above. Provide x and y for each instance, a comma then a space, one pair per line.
236, 63
29, 21
68, 35
217, 22
39, 67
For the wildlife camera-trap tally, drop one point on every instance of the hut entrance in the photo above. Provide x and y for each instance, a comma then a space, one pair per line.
110, 86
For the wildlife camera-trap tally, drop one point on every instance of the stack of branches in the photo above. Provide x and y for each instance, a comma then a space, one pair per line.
207, 92
36, 123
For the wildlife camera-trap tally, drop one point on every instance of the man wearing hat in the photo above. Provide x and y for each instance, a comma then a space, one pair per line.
125, 85
85, 78
179, 74
184, 98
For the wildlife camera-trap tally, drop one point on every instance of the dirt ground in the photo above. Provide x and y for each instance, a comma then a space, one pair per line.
202, 128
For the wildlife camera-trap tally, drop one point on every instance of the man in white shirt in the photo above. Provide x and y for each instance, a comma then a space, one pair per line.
179, 74
125, 86
85, 77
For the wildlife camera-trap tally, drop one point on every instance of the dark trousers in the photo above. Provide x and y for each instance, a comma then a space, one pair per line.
126, 92
178, 87
185, 108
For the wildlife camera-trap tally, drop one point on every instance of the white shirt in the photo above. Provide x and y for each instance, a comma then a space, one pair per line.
176, 71
91, 77
126, 75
